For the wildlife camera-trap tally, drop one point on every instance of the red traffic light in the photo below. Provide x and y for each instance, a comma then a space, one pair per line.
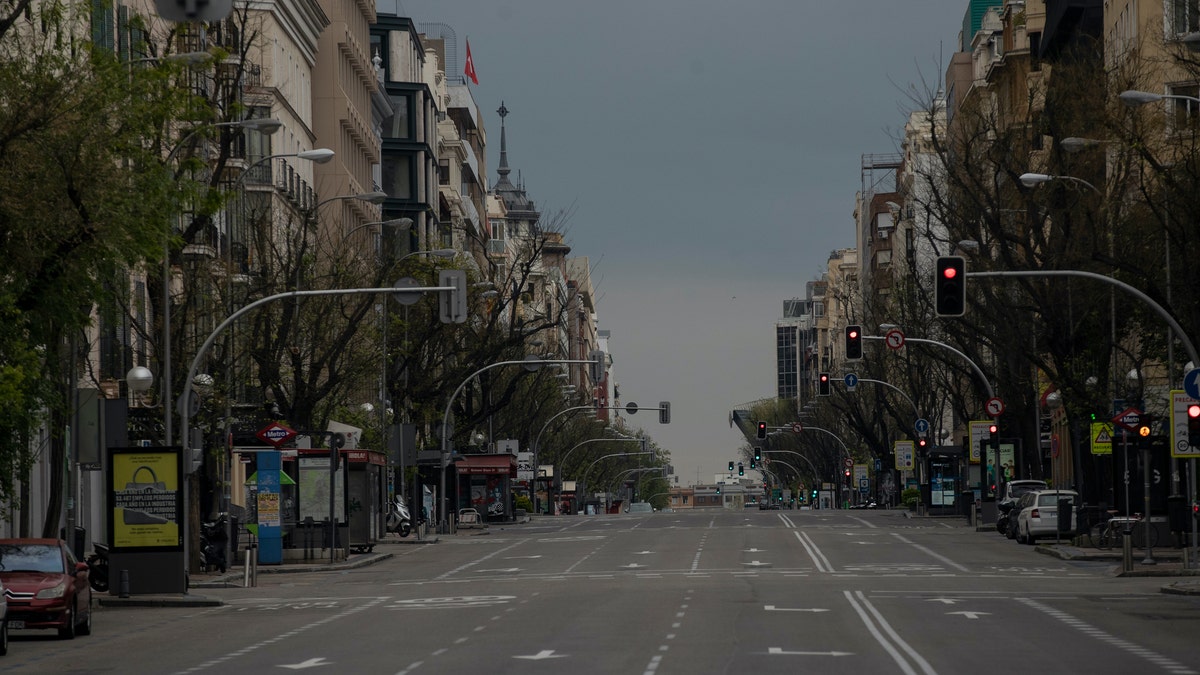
921, 442
949, 272
1193, 410
992, 428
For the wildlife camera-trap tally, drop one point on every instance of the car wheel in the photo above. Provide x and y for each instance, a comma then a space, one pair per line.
3, 638
85, 628
67, 632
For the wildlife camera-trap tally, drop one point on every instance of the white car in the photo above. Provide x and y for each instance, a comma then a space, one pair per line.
1039, 517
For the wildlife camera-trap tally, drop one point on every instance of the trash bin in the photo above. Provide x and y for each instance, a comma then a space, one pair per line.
1066, 508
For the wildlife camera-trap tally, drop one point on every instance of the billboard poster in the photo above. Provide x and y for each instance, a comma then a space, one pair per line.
145, 500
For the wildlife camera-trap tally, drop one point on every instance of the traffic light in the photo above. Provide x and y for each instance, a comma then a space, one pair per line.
823, 384
922, 443
753, 464
718, 489
757, 453
854, 350
950, 286
664, 412
1143, 432
741, 469
762, 429
731, 466
1193, 419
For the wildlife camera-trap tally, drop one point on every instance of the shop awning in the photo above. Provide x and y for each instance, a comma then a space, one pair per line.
488, 464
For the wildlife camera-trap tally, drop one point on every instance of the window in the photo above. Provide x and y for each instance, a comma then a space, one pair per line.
398, 176
443, 172
1185, 16
1184, 111
399, 124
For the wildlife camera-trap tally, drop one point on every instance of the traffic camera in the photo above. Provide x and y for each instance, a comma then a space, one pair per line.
823, 384
950, 286
854, 348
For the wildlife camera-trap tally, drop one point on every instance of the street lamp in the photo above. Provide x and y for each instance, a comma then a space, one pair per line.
1134, 98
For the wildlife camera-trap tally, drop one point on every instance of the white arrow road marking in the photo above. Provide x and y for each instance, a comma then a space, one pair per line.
756, 564
971, 615
754, 550
945, 601
544, 654
633, 566
504, 569
773, 608
318, 661
777, 651
523, 557
642, 552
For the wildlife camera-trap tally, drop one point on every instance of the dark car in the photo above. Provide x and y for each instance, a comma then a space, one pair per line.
45, 586
3, 622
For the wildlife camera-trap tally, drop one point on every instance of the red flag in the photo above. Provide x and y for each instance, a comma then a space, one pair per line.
470, 69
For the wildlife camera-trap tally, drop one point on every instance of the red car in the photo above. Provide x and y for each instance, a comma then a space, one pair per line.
45, 586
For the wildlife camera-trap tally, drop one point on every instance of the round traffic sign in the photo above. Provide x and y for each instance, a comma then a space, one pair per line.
851, 380
631, 408
406, 297
1191, 383
921, 426
849, 463
894, 338
796, 428
994, 406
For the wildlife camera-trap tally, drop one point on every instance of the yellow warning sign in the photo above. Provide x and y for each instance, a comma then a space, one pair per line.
1102, 438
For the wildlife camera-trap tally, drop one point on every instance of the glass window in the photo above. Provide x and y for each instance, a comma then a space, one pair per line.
1186, 16
1185, 110
399, 124
398, 176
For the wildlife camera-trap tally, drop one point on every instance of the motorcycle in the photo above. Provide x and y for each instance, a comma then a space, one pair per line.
398, 518
1002, 523
98, 567
213, 543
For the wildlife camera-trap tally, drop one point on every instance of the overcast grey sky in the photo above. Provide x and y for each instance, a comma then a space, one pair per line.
709, 154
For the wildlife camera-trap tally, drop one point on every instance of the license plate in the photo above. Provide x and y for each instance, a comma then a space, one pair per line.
16, 624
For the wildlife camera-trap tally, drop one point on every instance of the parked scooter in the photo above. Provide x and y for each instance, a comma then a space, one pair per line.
213, 543
98, 567
398, 518
1002, 523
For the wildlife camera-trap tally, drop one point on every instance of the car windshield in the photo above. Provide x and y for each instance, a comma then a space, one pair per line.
640, 508
1018, 490
1051, 498
30, 558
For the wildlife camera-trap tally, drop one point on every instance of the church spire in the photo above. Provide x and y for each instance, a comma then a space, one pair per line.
503, 169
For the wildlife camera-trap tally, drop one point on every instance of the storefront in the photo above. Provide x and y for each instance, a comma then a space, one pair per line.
485, 484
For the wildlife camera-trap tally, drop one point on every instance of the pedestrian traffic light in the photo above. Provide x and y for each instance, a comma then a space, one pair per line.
1143, 432
1193, 413
823, 384
757, 453
762, 429
731, 466
854, 351
950, 286
741, 470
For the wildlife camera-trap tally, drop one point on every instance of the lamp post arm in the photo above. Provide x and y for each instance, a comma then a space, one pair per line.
583, 476
1187, 342
816, 474
978, 371
897, 390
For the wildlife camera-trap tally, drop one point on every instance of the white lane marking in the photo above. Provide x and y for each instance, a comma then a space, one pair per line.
1108, 638
778, 651
931, 553
291, 633
818, 558
864, 522
653, 665
544, 654
887, 628
411, 667
786, 521
970, 615
476, 562
773, 608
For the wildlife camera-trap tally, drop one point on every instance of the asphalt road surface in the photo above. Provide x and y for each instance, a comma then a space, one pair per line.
688, 592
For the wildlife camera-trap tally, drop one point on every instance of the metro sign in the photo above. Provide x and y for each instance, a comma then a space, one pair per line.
275, 434
1128, 418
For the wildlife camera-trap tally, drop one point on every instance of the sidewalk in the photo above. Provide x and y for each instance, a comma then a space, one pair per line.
235, 576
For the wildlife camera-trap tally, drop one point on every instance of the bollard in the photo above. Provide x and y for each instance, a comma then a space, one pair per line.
123, 587
1127, 551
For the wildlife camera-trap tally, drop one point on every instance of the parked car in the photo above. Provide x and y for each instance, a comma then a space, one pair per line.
640, 507
45, 586
3, 622
1013, 489
1039, 516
